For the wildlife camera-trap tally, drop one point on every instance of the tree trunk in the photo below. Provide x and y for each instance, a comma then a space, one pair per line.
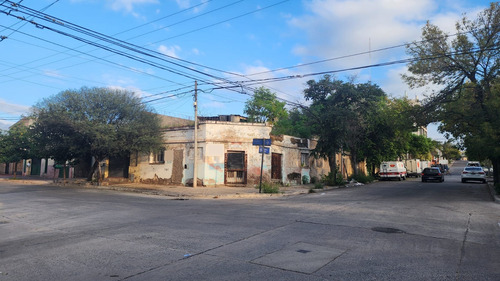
354, 164
332, 161
64, 173
15, 170
92, 170
496, 170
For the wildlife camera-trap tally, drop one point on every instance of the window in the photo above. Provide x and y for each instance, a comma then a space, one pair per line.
304, 160
157, 157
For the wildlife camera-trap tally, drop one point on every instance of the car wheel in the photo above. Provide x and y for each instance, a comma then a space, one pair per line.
463, 181
484, 181
400, 179
423, 180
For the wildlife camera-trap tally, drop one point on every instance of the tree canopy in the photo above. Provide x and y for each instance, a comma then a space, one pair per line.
102, 122
264, 106
15, 144
466, 66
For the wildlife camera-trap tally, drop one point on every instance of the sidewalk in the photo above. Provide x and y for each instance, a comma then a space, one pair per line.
176, 192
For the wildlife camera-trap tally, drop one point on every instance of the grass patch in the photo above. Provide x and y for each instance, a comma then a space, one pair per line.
268, 187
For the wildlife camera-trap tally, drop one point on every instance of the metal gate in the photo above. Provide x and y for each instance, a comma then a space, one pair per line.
236, 167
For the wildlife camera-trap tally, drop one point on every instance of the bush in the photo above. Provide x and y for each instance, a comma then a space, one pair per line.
268, 187
305, 179
332, 179
318, 185
314, 179
362, 178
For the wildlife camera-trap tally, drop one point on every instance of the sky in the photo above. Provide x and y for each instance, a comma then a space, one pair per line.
159, 48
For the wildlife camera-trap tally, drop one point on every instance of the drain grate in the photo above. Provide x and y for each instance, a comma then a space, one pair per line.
387, 230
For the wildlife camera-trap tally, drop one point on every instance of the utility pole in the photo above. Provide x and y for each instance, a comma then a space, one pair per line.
195, 169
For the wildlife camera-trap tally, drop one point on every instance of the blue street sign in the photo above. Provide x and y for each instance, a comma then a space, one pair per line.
265, 142
264, 150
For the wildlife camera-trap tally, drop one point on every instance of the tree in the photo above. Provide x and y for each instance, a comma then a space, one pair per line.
100, 121
264, 106
15, 145
296, 124
467, 69
340, 115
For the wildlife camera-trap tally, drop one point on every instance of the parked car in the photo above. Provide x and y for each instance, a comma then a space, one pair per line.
473, 164
473, 174
432, 173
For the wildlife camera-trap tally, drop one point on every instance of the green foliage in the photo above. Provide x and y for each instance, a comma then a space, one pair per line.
332, 179
318, 185
363, 178
16, 144
314, 179
305, 179
295, 124
264, 106
467, 67
340, 116
269, 187
101, 122
420, 147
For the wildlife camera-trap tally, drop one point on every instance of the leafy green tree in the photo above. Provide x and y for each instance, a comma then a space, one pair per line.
340, 116
450, 150
390, 132
15, 145
264, 106
102, 122
467, 68
296, 124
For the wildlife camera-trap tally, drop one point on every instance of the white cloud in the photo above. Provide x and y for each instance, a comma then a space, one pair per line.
138, 92
169, 51
128, 5
336, 28
53, 73
9, 111
183, 4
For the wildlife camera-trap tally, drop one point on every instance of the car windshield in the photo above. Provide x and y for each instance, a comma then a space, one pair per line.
431, 170
473, 169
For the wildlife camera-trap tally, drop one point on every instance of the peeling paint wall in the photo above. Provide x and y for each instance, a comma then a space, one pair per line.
215, 140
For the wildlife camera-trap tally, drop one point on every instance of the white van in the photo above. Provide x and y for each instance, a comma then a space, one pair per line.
392, 170
413, 168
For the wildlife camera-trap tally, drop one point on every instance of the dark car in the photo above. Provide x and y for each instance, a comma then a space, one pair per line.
432, 173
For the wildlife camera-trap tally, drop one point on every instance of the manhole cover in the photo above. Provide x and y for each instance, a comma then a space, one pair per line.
387, 230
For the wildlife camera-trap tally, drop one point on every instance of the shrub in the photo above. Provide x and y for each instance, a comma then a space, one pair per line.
362, 178
318, 185
333, 179
268, 187
314, 179
305, 179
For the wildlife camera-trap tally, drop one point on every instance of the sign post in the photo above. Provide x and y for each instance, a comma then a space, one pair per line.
263, 150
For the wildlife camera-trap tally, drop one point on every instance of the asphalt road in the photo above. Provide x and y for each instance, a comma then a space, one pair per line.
393, 230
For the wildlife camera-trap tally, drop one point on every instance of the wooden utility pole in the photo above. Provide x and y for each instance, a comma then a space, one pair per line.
195, 169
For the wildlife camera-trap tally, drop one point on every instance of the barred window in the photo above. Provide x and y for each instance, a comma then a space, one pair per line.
157, 157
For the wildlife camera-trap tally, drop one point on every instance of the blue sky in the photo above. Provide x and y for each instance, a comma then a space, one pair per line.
228, 40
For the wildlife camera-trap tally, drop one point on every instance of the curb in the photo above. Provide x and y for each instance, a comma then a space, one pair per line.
491, 188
